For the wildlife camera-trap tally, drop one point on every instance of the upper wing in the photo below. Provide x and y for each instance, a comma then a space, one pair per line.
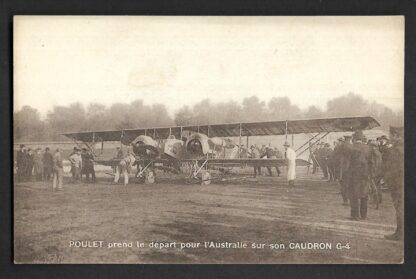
344, 124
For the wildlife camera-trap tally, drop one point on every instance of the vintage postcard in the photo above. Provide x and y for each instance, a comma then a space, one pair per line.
208, 139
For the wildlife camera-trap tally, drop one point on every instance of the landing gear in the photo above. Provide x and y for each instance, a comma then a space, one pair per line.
150, 176
205, 178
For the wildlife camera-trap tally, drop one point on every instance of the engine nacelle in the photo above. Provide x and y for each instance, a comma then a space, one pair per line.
173, 147
197, 144
145, 146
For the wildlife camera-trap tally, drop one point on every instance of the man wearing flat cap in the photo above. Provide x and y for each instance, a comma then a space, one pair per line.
290, 157
359, 165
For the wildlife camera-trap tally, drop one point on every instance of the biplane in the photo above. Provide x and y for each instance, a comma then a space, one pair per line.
208, 146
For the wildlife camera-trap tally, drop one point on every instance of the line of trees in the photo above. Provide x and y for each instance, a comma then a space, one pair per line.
29, 126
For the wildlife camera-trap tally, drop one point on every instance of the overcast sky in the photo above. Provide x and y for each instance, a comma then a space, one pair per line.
183, 60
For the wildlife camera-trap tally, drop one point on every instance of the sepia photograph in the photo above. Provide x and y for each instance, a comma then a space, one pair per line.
208, 139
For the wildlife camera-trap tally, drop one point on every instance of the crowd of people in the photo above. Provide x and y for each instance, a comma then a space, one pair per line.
264, 151
41, 165
362, 167
34, 163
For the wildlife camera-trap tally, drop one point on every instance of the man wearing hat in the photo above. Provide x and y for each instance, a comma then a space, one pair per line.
321, 156
269, 153
376, 173
47, 160
87, 165
74, 151
255, 154
317, 154
20, 161
58, 171
326, 161
29, 164
334, 160
343, 168
313, 154
76, 163
38, 164
393, 176
290, 157
359, 163
382, 142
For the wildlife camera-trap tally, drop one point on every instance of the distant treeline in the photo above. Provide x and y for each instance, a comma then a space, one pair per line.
29, 126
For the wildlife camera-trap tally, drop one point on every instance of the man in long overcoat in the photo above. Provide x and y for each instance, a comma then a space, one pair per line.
21, 163
343, 168
47, 164
359, 161
88, 165
393, 167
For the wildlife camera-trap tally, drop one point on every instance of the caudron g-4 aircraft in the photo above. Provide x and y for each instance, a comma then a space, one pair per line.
203, 147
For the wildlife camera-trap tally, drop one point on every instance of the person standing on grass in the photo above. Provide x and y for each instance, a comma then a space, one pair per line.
20, 163
124, 167
76, 162
58, 171
38, 164
87, 165
47, 164
394, 178
255, 154
359, 166
290, 157
29, 164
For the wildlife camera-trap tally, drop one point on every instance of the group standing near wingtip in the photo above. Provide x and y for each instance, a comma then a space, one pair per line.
362, 167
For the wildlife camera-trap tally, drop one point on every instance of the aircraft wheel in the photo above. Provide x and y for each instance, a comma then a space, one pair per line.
150, 177
206, 178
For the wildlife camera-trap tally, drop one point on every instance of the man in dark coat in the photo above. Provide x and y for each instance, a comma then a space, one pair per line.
74, 150
29, 164
335, 159
359, 161
255, 154
325, 155
21, 163
393, 167
376, 173
313, 155
343, 168
47, 164
319, 155
269, 153
87, 165
330, 162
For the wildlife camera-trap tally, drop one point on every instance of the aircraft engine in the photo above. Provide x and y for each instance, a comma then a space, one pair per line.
197, 144
173, 147
145, 146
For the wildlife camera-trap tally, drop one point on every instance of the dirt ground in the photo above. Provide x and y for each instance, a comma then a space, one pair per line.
260, 213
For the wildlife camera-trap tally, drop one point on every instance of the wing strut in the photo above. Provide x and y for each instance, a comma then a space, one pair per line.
303, 151
307, 142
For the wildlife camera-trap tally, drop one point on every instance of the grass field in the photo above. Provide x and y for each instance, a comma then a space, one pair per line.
261, 211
